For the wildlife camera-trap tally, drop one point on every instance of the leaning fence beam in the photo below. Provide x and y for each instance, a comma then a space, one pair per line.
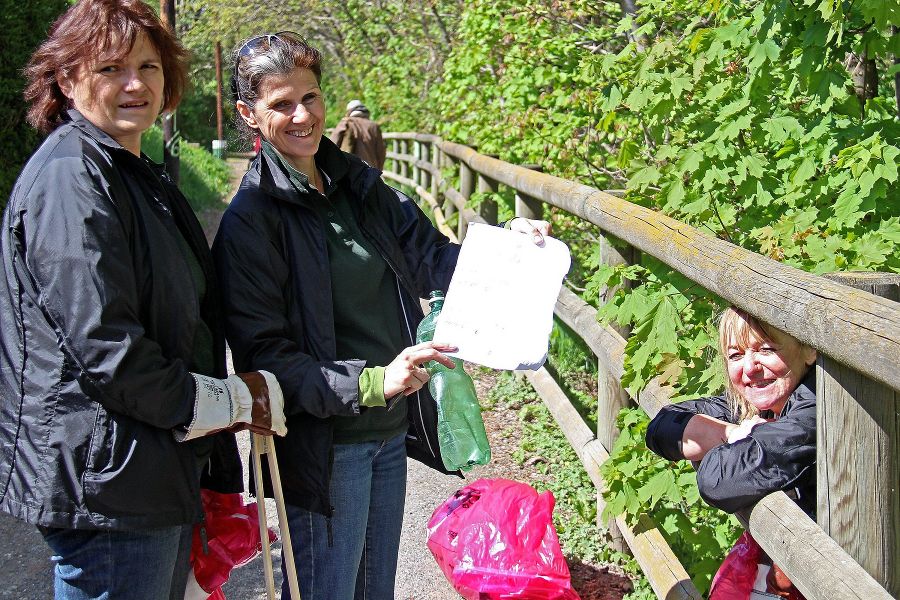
854, 327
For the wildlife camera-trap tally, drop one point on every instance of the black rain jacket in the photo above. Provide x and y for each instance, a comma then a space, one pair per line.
272, 260
98, 312
776, 456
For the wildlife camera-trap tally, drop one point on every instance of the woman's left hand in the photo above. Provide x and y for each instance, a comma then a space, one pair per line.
534, 228
741, 430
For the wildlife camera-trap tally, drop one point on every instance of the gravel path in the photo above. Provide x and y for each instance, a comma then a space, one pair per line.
26, 573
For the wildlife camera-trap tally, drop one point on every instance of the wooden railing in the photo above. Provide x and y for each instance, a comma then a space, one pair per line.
857, 334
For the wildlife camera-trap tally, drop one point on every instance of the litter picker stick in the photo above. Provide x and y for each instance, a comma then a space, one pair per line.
262, 445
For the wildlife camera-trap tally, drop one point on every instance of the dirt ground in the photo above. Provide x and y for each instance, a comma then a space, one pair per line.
592, 582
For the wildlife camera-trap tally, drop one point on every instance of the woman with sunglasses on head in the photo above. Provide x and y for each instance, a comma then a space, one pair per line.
113, 391
323, 266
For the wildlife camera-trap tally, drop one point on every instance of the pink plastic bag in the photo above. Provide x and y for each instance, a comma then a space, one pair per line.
746, 574
232, 534
737, 573
494, 539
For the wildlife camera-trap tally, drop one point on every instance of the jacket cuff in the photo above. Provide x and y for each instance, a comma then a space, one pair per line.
371, 387
666, 432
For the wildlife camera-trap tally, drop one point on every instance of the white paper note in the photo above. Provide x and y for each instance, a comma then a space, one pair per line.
499, 307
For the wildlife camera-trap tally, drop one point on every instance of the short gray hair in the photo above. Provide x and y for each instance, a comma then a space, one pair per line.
262, 56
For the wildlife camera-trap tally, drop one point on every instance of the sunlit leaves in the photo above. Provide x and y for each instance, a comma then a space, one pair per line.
639, 482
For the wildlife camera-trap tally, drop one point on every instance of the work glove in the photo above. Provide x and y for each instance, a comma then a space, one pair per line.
251, 401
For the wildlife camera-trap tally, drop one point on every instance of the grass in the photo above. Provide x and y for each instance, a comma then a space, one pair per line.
204, 178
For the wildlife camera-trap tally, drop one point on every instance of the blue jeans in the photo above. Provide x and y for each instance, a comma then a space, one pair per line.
150, 564
368, 490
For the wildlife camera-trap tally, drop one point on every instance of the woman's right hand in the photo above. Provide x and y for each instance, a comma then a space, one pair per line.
406, 375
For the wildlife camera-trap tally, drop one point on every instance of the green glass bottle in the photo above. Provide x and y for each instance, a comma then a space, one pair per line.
461, 434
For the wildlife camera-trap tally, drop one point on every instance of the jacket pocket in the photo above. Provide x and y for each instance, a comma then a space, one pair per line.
136, 470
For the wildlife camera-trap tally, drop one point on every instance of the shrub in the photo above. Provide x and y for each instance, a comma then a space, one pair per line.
204, 178
24, 26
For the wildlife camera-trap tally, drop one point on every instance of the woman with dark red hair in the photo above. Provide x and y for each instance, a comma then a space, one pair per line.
113, 390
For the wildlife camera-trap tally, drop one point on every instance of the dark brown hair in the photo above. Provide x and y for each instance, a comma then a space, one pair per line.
82, 33
261, 56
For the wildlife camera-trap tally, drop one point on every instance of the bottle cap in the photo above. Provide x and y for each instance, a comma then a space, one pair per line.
434, 296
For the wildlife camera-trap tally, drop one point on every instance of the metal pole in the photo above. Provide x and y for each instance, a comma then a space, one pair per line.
170, 131
218, 145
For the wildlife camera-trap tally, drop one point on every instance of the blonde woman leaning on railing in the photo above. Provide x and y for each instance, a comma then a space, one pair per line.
757, 438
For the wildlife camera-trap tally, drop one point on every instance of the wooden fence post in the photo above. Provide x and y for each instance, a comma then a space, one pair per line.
436, 163
466, 187
526, 206
611, 396
858, 454
395, 164
450, 207
404, 166
417, 155
425, 156
488, 207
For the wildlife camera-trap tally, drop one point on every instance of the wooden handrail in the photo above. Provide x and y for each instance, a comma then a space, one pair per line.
817, 565
854, 327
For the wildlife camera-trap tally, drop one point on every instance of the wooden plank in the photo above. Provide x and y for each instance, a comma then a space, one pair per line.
665, 573
816, 564
858, 455
466, 187
611, 396
854, 327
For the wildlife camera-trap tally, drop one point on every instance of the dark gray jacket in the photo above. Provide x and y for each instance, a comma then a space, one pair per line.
780, 455
272, 261
98, 310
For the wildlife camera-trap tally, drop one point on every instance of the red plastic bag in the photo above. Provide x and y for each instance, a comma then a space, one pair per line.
735, 578
746, 574
232, 539
494, 539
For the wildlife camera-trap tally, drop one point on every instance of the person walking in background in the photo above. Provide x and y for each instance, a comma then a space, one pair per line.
357, 134
113, 389
322, 266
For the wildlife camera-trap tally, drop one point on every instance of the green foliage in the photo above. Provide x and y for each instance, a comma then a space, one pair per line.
576, 498
204, 178
641, 482
742, 122
24, 26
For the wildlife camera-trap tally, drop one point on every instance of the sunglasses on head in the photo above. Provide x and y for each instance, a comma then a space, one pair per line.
254, 45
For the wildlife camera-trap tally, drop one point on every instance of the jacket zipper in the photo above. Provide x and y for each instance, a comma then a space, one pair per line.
412, 337
410, 332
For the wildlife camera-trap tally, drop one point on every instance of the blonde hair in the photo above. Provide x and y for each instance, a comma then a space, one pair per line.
739, 328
